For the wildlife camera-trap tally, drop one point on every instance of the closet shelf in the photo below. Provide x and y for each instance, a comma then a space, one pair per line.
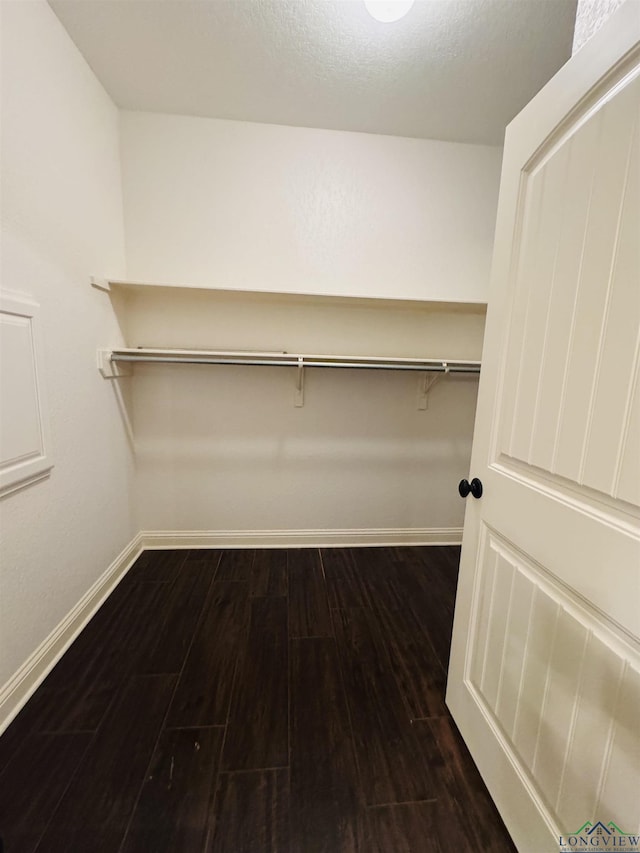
302, 297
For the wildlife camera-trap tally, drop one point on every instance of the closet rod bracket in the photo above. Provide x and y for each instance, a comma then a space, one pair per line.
110, 369
426, 381
298, 399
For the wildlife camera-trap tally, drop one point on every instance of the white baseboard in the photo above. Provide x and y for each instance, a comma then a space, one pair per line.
17, 691
300, 538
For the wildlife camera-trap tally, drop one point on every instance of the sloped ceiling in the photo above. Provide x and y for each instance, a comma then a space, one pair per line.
455, 70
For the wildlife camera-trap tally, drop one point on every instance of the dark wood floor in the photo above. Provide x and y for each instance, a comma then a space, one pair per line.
251, 702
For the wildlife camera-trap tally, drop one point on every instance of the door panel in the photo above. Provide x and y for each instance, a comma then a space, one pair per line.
548, 672
624, 759
581, 211
546, 645
627, 482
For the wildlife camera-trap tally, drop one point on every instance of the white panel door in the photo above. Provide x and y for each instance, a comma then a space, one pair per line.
544, 678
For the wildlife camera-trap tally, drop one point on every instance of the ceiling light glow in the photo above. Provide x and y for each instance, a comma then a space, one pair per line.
388, 11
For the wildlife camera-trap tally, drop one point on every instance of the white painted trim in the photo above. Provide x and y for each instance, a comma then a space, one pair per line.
24, 483
36, 462
300, 538
21, 686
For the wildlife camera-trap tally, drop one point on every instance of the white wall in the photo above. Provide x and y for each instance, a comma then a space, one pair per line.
268, 208
61, 223
224, 449
264, 207
591, 15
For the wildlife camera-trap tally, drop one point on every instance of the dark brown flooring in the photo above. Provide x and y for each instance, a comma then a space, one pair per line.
252, 702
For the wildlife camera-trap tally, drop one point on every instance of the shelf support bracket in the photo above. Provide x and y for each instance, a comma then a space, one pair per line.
298, 399
426, 381
100, 283
111, 369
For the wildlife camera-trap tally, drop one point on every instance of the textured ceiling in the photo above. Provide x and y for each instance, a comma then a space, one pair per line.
451, 69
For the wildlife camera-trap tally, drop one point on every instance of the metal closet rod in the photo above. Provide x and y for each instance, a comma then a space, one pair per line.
283, 359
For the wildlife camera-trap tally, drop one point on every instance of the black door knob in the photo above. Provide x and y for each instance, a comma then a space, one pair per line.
475, 487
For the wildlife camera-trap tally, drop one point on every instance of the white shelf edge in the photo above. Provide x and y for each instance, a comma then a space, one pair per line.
345, 299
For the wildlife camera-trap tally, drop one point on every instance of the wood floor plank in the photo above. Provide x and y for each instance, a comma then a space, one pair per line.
59, 704
173, 811
110, 628
258, 728
434, 568
415, 665
204, 690
95, 810
252, 813
235, 565
28, 721
156, 566
204, 555
446, 562
345, 571
95, 666
164, 639
308, 602
33, 784
379, 570
460, 783
327, 810
392, 766
100, 622
409, 578
269, 575
427, 827
437, 624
